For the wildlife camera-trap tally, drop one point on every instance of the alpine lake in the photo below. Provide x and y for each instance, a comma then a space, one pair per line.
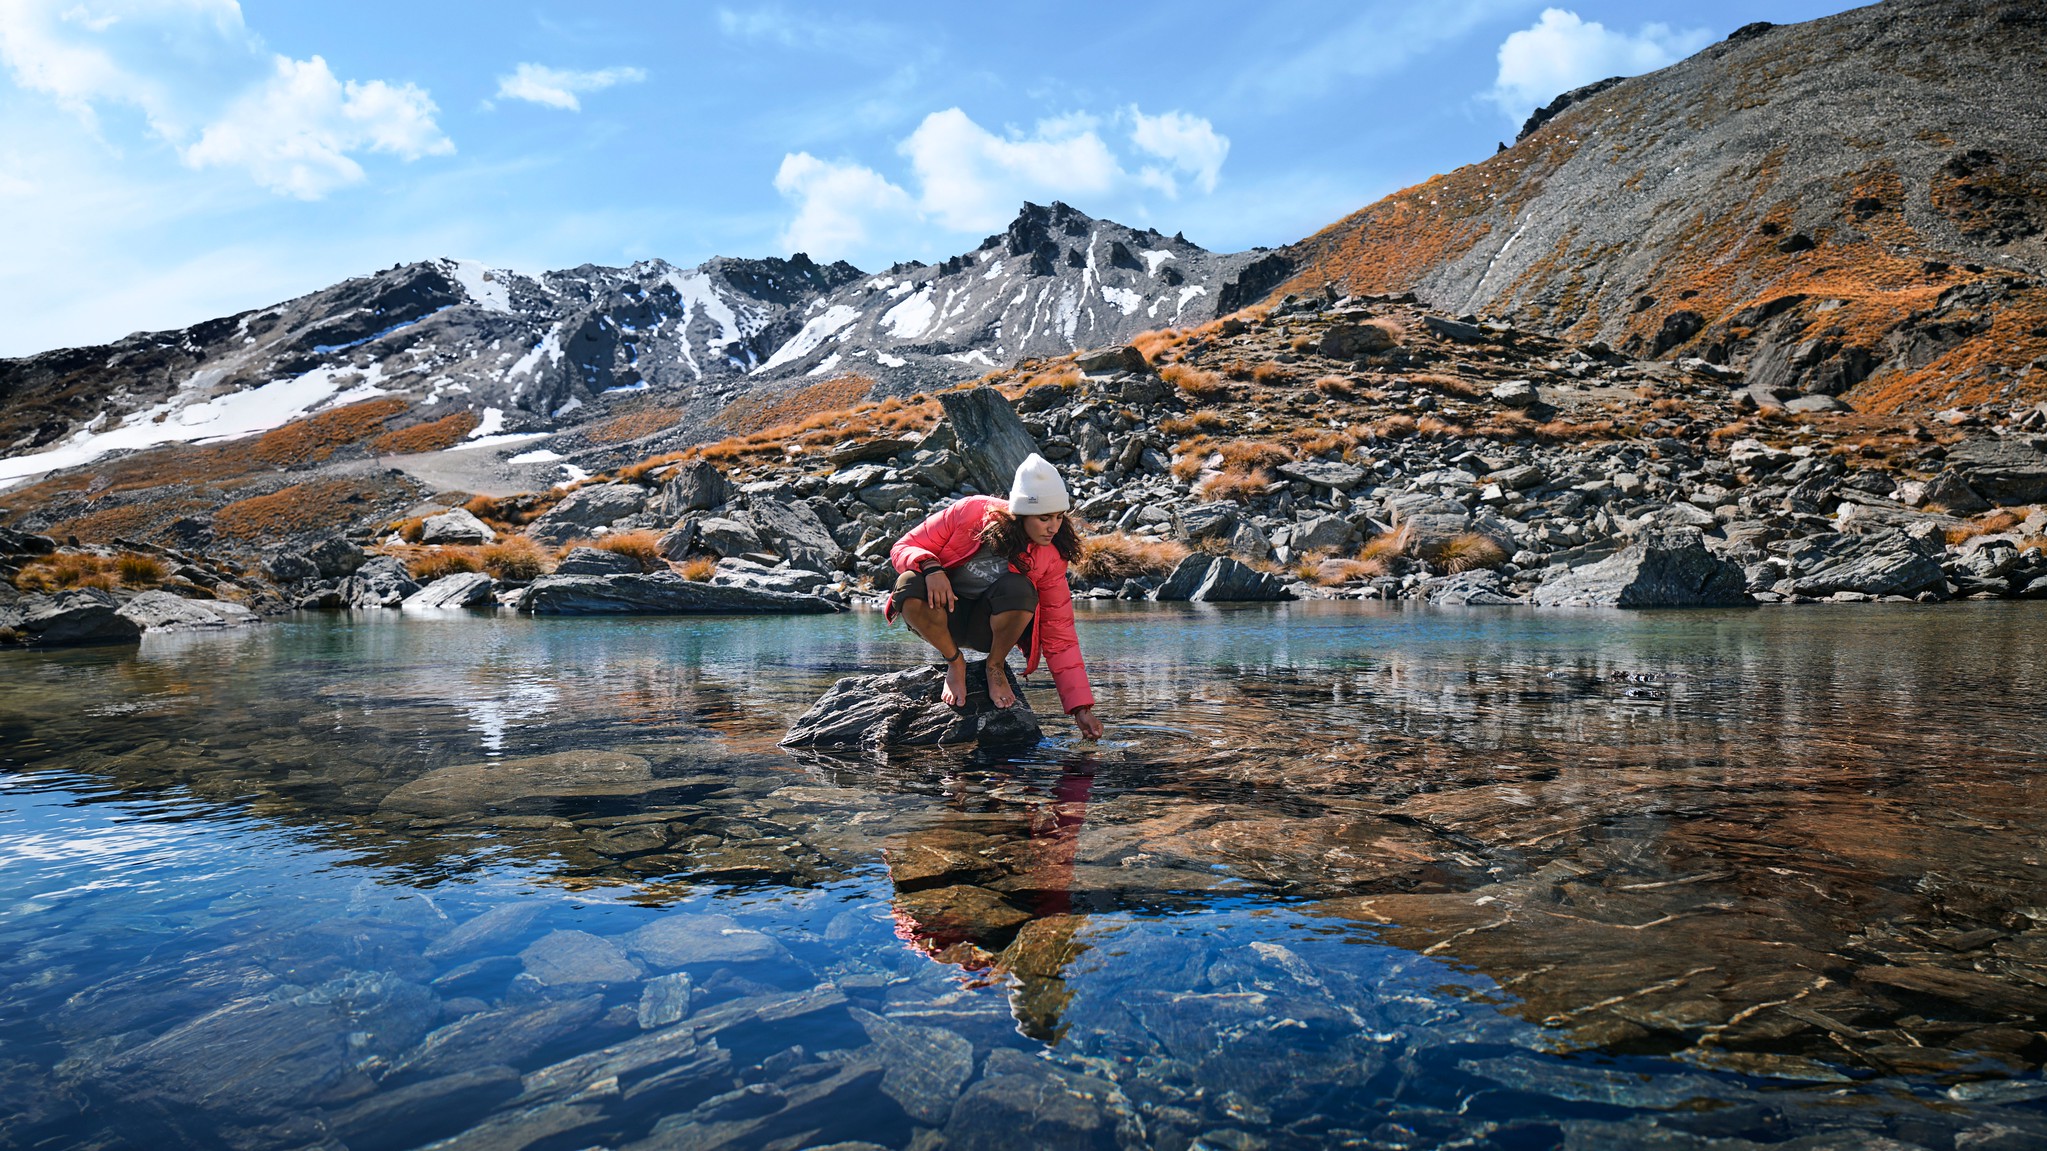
1340, 875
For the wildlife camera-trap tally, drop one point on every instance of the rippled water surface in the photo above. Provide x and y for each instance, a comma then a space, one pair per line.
1340, 875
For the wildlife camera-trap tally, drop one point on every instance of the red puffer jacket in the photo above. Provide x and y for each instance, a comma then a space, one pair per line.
952, 534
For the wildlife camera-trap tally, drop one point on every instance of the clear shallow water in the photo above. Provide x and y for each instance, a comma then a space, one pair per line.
1341, 875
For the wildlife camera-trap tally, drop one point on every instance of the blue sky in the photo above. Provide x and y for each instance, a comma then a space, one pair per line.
167, 161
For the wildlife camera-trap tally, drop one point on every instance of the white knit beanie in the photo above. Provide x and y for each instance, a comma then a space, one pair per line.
1037, 489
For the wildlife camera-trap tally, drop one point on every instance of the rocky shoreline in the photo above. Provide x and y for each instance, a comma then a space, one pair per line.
1447, 460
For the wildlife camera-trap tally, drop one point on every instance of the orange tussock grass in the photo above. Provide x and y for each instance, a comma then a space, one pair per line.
633, 425
432, 436
1268, 372
1449, 385
1186, 466
1236, 483
1470, 551
638, 473
699, 569
892, 416
1323, 443
642, 546
1988, 524
515, 559
2033, 543
1196, 383
431, 565
1392, 428
1247, 454
322, 504
1325, 571
67, 570
1335, 387
1566, 431
1383, 549
759, 413
411, 529
1155, 344
138, 570
315, 437
1117, 556
1302, 343
1201, 421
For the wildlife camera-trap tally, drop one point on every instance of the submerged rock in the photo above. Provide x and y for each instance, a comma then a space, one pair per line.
662, 593
1668, 568
873, 712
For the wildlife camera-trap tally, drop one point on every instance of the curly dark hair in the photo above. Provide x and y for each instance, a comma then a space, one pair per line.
1004, 534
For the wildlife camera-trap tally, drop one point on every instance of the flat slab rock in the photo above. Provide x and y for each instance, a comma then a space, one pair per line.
1668, 568
870, 713
662, 593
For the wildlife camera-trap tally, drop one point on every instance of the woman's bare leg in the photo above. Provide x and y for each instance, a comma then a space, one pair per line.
1007, 627
930, 623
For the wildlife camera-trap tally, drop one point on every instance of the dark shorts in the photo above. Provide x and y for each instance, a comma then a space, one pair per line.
969, 619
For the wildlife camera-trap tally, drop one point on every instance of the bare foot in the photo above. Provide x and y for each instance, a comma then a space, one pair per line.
955, 691
999, 692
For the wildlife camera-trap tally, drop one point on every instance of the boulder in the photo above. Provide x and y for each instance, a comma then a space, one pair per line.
872, 713
1324, 473
1454, 330
1662, 568
696, 486
1323, 533
1519, 478
163, 611
584, 510
989, 437
661, 593
1216, 521
71, 618
1472, 588
380, 582
676, 542
337, 558
1516, 394
455, 527
462, 589
859, 451
1815, 404
726, 537
18, 543
597, 562
1109, 361
793, 530
1349, 341
1218, 579
746, 573
1884, 563
1426, 534
290, 567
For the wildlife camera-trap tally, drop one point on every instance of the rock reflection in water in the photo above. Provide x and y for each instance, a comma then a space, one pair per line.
1348, 876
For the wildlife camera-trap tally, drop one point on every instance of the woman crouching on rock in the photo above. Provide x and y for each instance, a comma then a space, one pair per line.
990, 574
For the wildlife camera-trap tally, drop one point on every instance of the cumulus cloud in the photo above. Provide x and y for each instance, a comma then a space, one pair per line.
295, 133
1561, 51
1188, 144
966, 178
205, 85
557, 87
840, 207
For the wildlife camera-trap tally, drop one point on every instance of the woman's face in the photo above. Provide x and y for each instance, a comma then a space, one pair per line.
1040, 529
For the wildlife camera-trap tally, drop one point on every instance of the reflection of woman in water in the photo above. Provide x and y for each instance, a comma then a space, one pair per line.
990, 574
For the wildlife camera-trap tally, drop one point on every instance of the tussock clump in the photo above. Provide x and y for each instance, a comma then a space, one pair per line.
1237, 483
1196, 383
1335, 387
1200, 421
515, 559
642, 547
1449, 385
1471, 551
1392, 428
138, 570
1116, 556
1323, 570
411, 529
67, 570
634, 425
1248, 454
429, 566
699, 569
1988, 524
1269, 372
432, 436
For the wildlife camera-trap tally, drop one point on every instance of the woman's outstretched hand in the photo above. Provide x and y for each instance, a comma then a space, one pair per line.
1090, 727
938, 591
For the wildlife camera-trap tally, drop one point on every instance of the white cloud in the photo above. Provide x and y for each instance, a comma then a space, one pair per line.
557, 87
965, 178
1561, 51
1186, 143
295, 133
205, 85
840, 207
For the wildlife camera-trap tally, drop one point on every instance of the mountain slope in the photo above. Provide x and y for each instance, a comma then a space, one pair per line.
478, 351
1853, 206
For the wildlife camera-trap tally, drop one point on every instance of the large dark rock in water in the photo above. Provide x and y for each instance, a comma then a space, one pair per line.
76, 617
662, 593
1669, 568
992, 440
1884, 563
1219, 579
871, 713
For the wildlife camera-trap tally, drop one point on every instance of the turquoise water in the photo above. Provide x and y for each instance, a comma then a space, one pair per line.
1340, 874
